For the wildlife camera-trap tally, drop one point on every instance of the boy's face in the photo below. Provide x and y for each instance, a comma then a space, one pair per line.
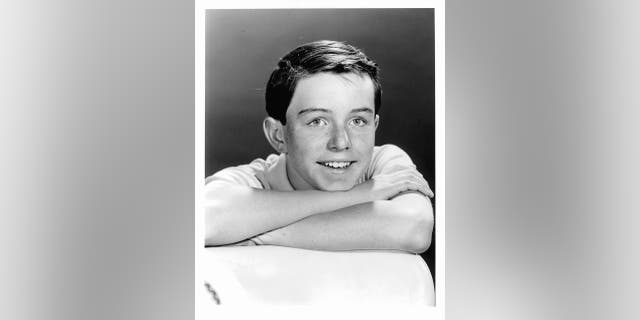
330, 131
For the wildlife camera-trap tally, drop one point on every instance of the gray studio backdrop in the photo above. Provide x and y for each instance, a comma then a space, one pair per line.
98, 153
243, 47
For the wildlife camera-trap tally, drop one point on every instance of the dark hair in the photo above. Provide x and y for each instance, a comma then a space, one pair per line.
311, 58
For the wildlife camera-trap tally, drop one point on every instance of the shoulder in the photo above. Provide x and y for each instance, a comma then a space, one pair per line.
388, 158
251, 175
388, 150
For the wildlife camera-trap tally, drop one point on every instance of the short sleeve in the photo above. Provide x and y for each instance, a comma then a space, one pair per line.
389, 158
235, 176
250, 175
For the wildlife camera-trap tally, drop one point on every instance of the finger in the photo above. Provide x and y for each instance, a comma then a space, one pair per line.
423, 187
410, 185
421, 181
419, 187
418, 181
414, 178
428, 192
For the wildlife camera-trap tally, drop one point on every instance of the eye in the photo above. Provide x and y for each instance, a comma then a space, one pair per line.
359, 122
317, 122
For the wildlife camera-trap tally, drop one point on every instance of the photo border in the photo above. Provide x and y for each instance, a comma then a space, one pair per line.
320, 312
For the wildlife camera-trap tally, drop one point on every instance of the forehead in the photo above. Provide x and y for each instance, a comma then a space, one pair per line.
332, 91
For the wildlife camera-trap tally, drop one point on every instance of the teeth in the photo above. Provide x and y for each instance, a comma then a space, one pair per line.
336, 164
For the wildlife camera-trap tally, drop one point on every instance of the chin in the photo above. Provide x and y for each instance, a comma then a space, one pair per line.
337, 186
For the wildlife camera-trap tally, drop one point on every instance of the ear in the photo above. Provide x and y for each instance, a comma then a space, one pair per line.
274, 132
376, 120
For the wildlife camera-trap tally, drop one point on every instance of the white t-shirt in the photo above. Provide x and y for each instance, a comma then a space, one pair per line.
271, 173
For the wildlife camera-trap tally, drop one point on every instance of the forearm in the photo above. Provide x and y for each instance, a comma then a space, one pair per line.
235, 213
403, 224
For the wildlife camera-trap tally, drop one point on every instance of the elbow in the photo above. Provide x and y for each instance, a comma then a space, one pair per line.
217, 216
211, 238
418, 236
414, 214
213, 234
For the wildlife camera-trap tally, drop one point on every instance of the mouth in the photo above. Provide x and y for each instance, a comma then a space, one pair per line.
336, 164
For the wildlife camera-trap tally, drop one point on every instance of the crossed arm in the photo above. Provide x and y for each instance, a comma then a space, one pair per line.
387, 212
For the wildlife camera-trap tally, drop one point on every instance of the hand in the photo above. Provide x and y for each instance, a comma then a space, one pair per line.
383, 187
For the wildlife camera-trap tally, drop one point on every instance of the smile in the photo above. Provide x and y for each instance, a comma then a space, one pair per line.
336, 164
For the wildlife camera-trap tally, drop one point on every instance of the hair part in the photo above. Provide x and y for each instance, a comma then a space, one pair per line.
311, 58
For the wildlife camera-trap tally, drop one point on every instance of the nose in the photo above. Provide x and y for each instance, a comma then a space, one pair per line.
339, 139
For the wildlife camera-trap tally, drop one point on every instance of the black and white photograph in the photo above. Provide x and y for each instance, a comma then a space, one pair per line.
319, 183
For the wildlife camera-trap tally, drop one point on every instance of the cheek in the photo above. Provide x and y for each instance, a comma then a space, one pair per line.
302, 147
364, 138
305, 139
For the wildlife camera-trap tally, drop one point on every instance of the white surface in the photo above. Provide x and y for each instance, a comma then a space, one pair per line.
271, 275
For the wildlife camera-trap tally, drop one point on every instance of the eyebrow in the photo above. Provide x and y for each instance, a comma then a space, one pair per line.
308, 110
363, 109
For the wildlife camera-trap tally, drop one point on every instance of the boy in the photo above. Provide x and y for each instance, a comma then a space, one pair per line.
329, 188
